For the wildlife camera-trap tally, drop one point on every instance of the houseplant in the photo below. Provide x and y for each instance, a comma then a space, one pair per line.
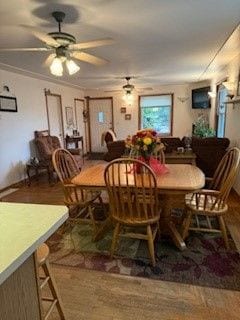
202, 129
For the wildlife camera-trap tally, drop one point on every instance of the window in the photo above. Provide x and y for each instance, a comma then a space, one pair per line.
156, 113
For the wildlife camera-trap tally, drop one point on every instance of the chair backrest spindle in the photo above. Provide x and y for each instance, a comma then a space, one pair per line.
133, 196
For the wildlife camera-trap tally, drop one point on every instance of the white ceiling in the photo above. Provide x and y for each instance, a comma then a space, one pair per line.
161, 41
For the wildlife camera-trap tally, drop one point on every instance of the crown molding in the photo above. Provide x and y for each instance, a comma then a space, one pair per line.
39, 76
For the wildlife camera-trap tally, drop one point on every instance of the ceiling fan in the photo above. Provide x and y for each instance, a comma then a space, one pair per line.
128, 88
64, 47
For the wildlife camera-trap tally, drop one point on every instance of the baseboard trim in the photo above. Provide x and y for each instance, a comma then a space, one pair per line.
15, 185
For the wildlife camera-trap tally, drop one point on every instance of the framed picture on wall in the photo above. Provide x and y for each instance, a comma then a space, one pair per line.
8, 104
123, 109
69, 116
128, 116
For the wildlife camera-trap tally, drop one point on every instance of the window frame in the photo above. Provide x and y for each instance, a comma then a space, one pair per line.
172, 108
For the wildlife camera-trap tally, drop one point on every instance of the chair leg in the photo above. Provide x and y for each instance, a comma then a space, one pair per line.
158, 231
102, 205
186, 224
224, 231
53, 288
115, 238
90, 211
151, 245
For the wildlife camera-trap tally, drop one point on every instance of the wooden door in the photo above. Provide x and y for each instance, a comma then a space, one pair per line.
100, 120
55, 117
79, 106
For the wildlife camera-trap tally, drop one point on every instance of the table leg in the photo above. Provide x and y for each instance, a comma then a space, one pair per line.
167, 226
82, 150
106, 225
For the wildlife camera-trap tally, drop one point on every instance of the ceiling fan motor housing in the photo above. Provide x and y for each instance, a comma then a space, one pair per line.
128, 87
63, 38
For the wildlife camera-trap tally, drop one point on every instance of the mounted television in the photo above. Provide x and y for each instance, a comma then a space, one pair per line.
200, 98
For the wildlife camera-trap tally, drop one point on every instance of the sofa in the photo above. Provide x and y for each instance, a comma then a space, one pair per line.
209, 151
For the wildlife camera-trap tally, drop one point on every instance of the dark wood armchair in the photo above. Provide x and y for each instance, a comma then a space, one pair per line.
46, 145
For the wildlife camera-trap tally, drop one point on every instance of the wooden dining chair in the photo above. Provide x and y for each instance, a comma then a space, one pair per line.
212, 202
133, 202
75, 198
45, 279
159, 155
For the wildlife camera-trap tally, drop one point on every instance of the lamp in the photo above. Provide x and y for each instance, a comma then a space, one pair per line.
128, 97
72, 67
56, 67
212, 94
183, 99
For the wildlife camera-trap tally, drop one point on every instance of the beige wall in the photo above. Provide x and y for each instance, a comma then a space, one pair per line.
232, 131
183, 114
16, 129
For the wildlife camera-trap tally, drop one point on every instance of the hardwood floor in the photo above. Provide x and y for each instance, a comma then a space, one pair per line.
95, 295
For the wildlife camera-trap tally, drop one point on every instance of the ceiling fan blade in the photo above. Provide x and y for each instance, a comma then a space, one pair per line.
49, 60
89, 58
91, 44
25, 49
42, 36
113, 90
145, 89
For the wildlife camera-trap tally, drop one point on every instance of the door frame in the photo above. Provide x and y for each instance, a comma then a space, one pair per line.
85, 123
48, 93
88, 99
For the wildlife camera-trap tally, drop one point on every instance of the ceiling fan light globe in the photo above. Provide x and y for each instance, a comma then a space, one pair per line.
56, 67
72, 67
128, 97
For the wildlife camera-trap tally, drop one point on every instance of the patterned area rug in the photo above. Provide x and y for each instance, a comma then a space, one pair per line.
206, 262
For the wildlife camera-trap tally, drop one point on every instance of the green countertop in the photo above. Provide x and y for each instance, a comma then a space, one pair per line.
23, 227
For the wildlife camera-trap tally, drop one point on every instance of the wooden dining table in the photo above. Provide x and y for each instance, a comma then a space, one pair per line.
180, 180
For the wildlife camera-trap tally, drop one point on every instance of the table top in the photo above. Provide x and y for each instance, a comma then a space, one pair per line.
184, 177
23, 227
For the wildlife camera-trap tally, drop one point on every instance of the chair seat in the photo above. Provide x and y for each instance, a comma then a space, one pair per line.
42, 254
138, 222
205, 204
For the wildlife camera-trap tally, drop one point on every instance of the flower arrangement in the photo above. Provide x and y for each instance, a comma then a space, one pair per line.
144, 143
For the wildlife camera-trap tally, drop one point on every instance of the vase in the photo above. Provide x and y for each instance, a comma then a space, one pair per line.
139, 168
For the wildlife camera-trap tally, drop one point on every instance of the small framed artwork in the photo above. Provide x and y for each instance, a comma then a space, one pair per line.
128, 116
8, 104
123, 109
69, 115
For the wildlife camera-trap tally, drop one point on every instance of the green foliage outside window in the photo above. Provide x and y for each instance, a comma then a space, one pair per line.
157, 118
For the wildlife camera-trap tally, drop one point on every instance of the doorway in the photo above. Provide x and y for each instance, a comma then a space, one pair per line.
221, 111
79, 107
100, 120
54, 115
